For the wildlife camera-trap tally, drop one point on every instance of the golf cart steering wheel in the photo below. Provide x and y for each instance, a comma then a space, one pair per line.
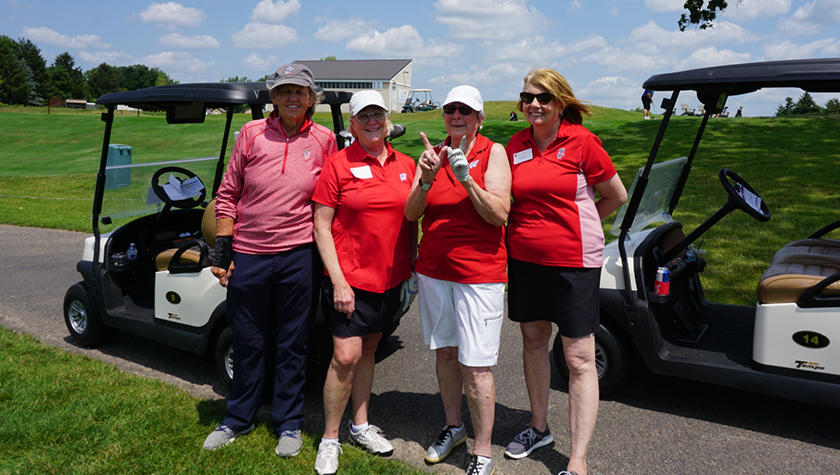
762, 214
161, 193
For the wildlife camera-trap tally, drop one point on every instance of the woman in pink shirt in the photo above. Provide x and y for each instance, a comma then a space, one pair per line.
267, 260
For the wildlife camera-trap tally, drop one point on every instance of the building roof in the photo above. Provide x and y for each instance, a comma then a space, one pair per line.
356, 69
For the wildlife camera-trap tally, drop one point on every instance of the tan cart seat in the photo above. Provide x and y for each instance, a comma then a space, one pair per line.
208, 232
791, 276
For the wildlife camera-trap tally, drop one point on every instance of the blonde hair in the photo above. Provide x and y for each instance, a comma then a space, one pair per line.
554, 83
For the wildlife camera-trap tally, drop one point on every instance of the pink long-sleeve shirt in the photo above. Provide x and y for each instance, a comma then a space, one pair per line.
269, 182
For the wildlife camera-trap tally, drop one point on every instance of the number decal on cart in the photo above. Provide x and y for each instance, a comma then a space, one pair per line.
811, 339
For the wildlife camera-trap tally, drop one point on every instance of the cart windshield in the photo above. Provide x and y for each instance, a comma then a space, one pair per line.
653, 209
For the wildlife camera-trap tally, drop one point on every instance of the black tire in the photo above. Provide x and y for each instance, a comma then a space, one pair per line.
83, 319
611, 357
224, 357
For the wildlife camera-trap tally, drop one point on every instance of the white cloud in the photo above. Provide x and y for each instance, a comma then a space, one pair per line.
575, 6
665, 5
274, 12
342, 29
52, 37
402, 42
258, 62
538, 50
489, 19
616, 59
499, 73
752, 9
710, 56
110, 57
176, 61
618, 91
788, 50
264, 36
652, 37
808, 18
173, 14
177, 40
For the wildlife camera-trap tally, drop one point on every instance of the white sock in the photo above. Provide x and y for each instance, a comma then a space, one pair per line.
483, 459
324, 439
356, 428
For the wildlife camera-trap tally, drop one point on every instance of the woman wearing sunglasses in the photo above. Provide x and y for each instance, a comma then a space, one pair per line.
555, 246
367, 246
462, 190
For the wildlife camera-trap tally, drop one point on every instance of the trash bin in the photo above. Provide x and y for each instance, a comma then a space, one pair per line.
117, 177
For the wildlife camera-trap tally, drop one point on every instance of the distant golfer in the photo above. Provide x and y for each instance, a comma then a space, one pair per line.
647, 99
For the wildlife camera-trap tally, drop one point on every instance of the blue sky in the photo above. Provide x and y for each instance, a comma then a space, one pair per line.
606, 49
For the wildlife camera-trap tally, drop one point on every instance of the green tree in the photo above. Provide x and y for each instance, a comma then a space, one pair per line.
68, 80
832, 107
103, 79
235, 79
138, 76
701, 13
806, 105
786, 109
31, 55
329, 58
15, 84
163, 79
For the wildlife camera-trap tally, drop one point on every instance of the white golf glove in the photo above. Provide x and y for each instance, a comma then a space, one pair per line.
407, 292
458, 161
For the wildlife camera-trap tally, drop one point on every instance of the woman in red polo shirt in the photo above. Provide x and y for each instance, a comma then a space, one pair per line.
366, 244
555, 251
462, 190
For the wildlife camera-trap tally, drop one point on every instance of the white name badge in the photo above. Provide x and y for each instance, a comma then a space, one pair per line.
522, 156
362, 172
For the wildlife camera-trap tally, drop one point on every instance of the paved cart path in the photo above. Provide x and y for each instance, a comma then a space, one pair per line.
657, 425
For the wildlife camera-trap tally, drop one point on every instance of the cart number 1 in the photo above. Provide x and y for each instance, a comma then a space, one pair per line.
810, 339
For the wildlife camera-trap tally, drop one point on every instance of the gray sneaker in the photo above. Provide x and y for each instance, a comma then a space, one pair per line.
477, 467
222, 436
449, 438
370, 439
326, 462
290, 443
526, 441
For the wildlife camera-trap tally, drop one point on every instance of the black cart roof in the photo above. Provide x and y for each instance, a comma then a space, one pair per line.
812, 75
213, 95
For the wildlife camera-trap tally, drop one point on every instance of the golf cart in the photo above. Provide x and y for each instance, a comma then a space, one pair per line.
146, 269
419, 100
788, 344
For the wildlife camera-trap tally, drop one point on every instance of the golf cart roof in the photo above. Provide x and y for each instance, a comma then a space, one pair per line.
812, 75
213, 95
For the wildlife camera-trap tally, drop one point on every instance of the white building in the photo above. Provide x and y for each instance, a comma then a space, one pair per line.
391, 77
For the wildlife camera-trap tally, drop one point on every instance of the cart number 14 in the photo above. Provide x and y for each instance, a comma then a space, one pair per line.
811, 339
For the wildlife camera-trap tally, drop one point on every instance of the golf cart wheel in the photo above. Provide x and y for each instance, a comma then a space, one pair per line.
224, 357
82, 318
611, 358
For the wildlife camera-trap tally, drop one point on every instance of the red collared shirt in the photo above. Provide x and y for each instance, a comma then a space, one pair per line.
458, 245
369, 228
553, 220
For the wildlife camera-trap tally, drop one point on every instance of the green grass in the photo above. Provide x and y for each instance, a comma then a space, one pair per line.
66, 413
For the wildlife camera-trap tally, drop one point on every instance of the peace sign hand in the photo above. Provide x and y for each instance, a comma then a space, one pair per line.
458, 161
429, 161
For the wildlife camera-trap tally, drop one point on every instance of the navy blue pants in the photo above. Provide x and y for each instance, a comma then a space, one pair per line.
271, 300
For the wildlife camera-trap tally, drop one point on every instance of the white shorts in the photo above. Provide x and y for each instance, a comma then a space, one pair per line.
467, 316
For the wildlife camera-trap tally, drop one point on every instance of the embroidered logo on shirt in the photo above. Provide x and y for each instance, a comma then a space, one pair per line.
474, 164
306, 154
561, 153
403, 176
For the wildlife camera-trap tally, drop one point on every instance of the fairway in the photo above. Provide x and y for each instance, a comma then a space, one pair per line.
48, 165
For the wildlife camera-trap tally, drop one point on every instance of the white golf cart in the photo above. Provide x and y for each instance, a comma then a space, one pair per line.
146, 269
788, 344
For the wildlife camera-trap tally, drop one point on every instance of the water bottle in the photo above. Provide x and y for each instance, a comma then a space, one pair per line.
691, 253
131, 252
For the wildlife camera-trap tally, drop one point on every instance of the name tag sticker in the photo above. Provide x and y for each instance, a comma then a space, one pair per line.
362, 172
522, 156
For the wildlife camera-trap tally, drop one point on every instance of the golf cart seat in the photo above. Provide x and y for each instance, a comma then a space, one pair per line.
789, 277
190, 256
828, 249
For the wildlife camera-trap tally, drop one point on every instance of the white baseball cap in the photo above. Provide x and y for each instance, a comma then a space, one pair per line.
362, 99
466, 95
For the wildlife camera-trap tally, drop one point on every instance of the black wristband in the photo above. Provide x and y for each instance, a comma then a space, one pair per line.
224, 252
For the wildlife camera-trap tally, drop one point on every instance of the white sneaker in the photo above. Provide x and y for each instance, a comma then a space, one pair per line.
448, 439
370, 439
479, 467
326, 462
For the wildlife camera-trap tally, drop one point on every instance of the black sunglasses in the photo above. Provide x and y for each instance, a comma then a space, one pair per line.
463, 109
527, 97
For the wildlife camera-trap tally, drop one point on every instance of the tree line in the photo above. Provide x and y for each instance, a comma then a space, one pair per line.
25, 78
806, 105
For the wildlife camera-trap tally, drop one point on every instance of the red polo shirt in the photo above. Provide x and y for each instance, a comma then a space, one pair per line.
458, 245
553, 220
369, 229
